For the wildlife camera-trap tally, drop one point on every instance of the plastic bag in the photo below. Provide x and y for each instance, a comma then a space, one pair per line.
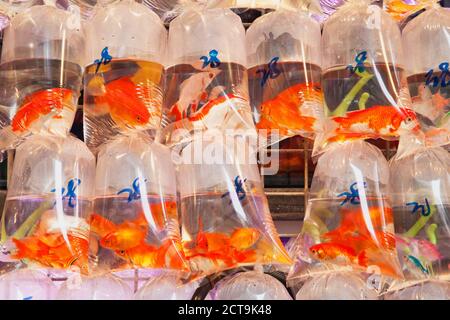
433, 290
40, 73
225, 217
283, 51
337, 286
166, 286
363, 81
107, 287
206, 78
124, 73
348, 223
135, 221
27, 284
420, 184
428, 72
48, 201
250, 285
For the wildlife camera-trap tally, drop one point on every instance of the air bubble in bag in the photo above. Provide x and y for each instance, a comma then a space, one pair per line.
27, 284
123, 80
348, 223
105, 287
337, 286
225, 216
206, 79
428, 72
420, 184
40, 73
283, 57
363, 80
166, 286
44, 222
250, 285
135, 221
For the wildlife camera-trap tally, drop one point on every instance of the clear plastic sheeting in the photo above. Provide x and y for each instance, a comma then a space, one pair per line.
27, 284
44, 222
106, 287
431, 290
364, 80
225, 216
283, 51
337, 286
135, 221
206, 79
250, 285
40, 73
124, 72
349, 219
420, 184
166, 286
428, 72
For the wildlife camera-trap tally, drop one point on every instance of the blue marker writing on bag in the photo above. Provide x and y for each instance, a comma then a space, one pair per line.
440, 80
238, 185
28, 298
352, 196
360, 59
105, 59
70, 192
425, 208
134, 193
213, 60
271, 72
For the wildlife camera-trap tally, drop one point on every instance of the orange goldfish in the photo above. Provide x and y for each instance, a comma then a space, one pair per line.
244, 238
284, 112
143, 255
122, 236
210, 105
376, 120
52, 251
44, 103
399, 9
332, 251
125, 101
162, 212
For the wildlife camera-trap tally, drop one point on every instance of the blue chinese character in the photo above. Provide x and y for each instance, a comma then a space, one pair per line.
238, 184
360, 59
70, 192
352, 196
271, 72
442, 79
105, 59
425, 208
134, 193
213, 61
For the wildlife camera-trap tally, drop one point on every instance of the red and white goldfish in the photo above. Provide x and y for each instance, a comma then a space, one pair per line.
192, 92
294, 109
334, 251
376, 121
40, 107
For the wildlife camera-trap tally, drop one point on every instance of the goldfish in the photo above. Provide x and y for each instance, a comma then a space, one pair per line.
399, 9
51, 250
333, 251
143, 255
122, 236
374, 121
125, 102
244, 238
192, 92
292, 109
41, 105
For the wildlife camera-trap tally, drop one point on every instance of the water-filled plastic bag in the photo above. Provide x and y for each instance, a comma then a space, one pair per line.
40, 72
27, 284
124, 71
135, 222
44, 222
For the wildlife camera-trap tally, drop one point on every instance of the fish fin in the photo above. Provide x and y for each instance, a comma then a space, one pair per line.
363, 260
